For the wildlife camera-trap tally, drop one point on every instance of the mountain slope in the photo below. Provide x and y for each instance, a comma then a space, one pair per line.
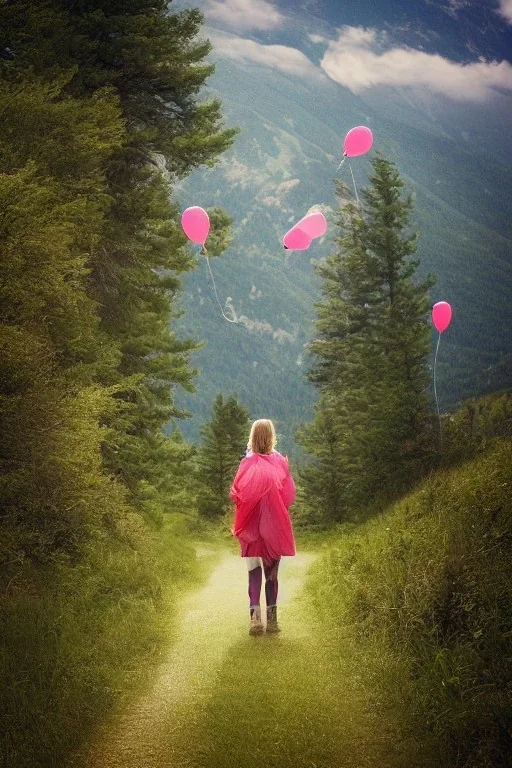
282, 164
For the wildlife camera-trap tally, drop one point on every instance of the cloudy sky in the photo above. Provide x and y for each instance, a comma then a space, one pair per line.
450, 47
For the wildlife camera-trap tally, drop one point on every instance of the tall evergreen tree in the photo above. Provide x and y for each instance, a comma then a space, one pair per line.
224, 442
152, 61
398, 420
91, 256
53, 201
221, 231
323, 478
372, 344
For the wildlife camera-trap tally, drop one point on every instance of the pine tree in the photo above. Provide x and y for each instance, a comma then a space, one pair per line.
372, 344
53, 492
153, 63
91, 256
322, 477
399, 414
224, 442
221, 227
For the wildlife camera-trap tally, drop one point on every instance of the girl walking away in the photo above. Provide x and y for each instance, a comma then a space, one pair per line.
262, 490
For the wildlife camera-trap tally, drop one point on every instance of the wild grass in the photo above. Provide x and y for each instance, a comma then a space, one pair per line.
421, 597
77, 641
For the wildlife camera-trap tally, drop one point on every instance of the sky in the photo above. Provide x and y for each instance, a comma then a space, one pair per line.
454, 48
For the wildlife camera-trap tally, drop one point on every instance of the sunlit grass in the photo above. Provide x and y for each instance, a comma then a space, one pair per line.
395, 654
289, 700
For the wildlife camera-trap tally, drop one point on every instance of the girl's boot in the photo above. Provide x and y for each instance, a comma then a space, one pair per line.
272, 625
256, 626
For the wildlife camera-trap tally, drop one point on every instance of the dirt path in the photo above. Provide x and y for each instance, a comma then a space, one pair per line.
223, 699
213, 619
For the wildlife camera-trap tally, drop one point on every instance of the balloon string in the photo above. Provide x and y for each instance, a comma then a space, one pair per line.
435, 393
203, 251
354, 182
339, 166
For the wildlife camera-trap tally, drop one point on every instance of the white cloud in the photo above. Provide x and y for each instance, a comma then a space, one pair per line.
317, 38
245, 14
282, 57
505, 10
454, 6
354, 61
358, 37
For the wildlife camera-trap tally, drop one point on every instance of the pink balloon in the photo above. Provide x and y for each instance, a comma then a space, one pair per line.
358, 141
313, 224
297, 240
196, 224
441, 315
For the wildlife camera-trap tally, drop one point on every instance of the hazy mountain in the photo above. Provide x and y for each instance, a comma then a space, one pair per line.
450, 144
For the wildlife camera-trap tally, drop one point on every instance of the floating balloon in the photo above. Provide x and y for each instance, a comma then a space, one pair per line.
358, 141
297, 240
196, 224
441, 315
313, 224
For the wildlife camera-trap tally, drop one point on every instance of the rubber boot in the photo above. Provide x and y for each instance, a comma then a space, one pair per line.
256, 627
272, 625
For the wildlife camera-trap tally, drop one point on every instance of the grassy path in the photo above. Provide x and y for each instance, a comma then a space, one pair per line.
224, 699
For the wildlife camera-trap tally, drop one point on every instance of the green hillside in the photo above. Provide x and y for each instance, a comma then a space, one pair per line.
420, 599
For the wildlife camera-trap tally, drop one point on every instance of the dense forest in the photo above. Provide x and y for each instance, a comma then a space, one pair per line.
102, 497
93, 494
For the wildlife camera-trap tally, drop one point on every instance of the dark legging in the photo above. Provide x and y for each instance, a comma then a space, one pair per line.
271, 583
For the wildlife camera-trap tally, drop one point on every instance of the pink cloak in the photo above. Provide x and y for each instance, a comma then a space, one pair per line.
262, 490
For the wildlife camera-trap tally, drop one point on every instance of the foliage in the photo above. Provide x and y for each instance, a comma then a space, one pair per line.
95, 498
370, 353
53, 489
220, 235
323, 491
223, 446
77, 642
151, 62
479, 420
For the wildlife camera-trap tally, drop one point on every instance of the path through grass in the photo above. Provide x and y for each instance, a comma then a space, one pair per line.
223, 699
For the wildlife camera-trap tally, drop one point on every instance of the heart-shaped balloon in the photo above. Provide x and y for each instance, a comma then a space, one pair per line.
313, 224
297, 240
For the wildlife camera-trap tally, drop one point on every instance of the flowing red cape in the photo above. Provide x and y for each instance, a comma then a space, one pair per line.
262, 490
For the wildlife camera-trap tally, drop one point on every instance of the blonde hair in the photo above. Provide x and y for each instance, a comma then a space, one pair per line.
263, 437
